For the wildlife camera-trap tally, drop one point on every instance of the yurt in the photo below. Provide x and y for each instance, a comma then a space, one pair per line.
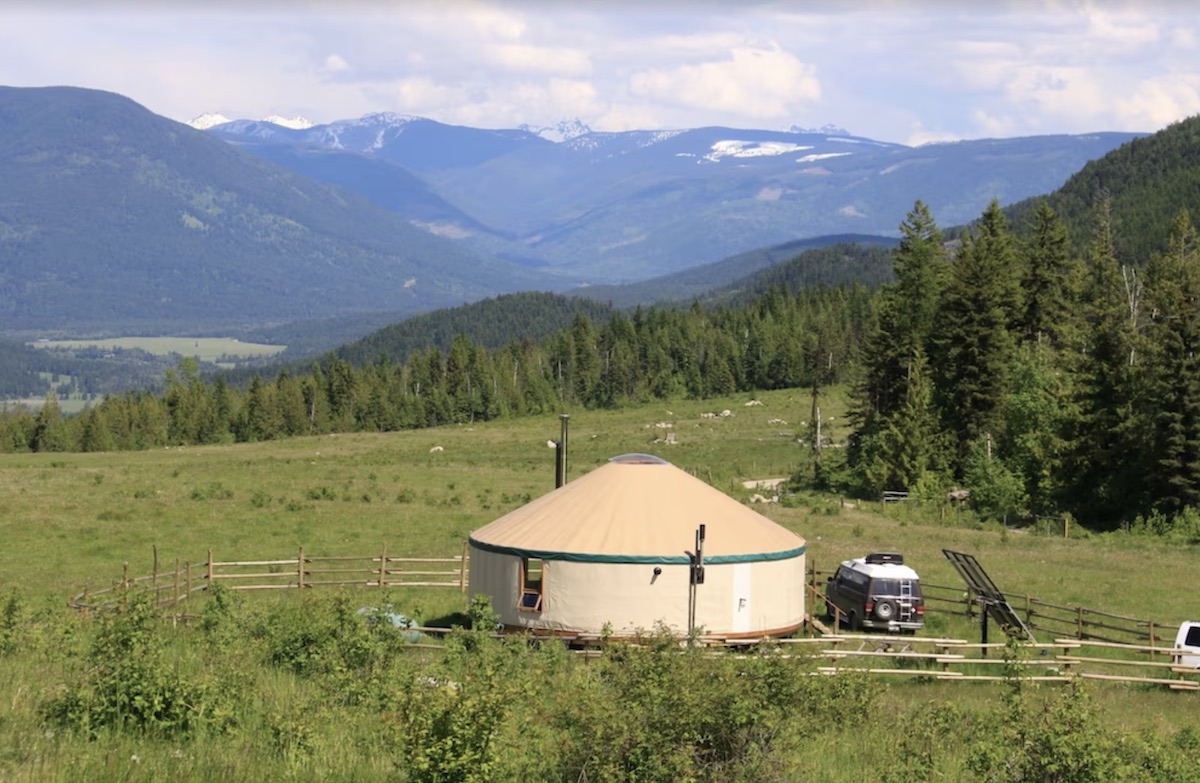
636, 543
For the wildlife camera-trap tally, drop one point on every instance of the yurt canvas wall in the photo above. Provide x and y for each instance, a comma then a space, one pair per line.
611, 549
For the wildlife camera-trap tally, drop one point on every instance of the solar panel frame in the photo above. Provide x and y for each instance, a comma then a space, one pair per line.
988, 594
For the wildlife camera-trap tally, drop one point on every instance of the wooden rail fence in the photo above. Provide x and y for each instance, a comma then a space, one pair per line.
956, 660
171, 586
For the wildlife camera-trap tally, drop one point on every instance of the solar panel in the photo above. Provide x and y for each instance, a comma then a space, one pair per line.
988, 595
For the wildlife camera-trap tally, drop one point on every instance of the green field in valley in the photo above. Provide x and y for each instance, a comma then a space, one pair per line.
206, 349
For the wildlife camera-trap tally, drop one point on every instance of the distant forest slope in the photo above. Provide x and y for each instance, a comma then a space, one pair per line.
1147, 180
490, 323
847, 264
736, 272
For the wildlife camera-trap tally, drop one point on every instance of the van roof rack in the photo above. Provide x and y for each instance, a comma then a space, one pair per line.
885, 557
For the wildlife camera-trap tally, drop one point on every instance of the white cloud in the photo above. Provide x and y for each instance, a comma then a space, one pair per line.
335, 63
755, 83
915, 69
552, 60
1159, 102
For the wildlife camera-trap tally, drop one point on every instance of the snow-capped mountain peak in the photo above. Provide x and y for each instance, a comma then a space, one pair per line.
384, 118
213, 119
564, 130
208, 120
295, 123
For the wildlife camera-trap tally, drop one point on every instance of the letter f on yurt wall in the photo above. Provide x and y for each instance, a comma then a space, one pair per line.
616, 547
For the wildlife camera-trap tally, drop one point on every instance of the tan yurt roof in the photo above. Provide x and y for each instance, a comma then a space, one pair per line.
637, 508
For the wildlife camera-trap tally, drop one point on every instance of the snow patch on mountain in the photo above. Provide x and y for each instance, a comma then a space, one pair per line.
564, 130
751, 149
822, 156
388, 119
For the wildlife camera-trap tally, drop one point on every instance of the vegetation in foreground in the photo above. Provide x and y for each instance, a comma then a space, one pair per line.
309, 687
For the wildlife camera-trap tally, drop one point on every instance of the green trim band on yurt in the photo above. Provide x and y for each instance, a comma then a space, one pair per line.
613, 551
575, 557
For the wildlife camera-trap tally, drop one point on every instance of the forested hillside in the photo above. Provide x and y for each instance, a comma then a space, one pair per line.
1042, 381
1147, 181
119, 221
804, 259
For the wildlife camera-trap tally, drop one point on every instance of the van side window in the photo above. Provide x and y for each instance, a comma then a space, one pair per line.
1193, 636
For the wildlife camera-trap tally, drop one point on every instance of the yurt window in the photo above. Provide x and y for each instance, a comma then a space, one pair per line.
531, 584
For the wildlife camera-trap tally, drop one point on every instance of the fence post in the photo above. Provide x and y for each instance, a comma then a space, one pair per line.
175, 600
209, 575
300, 568
187, 584
383, 565
154, 576
1079, 622
462, 569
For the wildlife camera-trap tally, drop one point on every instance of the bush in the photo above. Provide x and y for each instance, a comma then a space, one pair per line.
128, 684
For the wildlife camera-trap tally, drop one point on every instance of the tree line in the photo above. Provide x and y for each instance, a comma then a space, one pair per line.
782, 339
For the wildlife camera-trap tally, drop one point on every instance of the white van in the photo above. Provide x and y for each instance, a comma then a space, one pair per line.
1188, 639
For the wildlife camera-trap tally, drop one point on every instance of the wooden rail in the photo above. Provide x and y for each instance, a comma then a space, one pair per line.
170, 587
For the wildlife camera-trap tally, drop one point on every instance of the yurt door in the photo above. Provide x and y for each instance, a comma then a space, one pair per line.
741, 598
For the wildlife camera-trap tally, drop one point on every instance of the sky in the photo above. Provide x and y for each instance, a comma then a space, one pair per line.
906, 71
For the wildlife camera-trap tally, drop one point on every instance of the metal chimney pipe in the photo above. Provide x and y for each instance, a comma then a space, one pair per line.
560, 469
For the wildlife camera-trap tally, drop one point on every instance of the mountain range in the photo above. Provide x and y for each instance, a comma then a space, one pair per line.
116, 220
608, 208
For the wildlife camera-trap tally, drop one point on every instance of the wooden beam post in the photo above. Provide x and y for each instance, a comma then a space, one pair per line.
462, 570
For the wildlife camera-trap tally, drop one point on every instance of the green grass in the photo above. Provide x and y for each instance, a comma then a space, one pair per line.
73, 520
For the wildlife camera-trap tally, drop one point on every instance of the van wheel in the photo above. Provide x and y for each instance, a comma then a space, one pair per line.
855, 625
885, 610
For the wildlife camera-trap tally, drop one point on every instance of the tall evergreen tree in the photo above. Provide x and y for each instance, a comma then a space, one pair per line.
1049, 281
1173, 370
973, 345
894, 358
1102, 484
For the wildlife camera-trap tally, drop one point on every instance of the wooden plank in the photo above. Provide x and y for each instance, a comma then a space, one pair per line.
876, 654
279, 575
1123, 678
1118, 646
246, 563
291, 586
1074, 659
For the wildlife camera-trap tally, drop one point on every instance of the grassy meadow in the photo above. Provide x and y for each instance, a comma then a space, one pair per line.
73, 520
206, 349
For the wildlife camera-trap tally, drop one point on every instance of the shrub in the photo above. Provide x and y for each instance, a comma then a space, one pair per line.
127, 684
